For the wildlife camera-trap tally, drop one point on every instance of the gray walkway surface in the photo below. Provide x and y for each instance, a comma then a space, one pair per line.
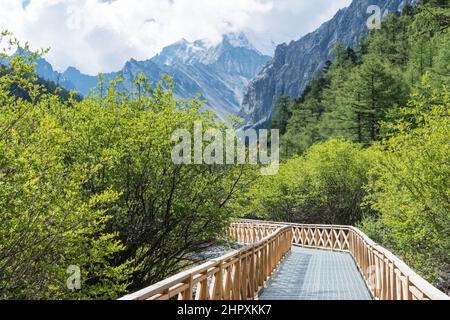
308, 274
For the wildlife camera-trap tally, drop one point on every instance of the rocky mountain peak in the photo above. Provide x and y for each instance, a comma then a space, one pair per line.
202, 51
238, 40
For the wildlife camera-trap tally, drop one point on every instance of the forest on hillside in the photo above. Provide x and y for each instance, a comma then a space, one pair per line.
91, 183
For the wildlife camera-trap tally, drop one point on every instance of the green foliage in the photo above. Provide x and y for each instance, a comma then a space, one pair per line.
48, 222
410, 185
324, 186
281, 114
302, 130
372, 93
165, 212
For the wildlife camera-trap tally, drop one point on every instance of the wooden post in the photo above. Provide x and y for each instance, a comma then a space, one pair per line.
218, 284
188, 293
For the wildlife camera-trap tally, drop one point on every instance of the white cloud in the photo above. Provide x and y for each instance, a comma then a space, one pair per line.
101, 35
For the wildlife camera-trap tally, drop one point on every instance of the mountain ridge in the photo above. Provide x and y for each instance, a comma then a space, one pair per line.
220, 73
294, 65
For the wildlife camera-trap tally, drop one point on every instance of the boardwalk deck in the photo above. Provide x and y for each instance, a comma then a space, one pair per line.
267, 261
308, 274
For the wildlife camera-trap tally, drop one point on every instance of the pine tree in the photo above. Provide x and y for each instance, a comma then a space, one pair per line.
282, 114
372, 92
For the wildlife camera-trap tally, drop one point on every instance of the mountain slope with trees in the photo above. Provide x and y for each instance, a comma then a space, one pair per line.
294, 65
362, 88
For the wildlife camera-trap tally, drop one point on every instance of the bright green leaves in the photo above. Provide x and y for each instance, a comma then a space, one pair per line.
324, 186
410, 184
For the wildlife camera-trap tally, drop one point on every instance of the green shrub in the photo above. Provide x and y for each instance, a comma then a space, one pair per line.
410, 186
324, 186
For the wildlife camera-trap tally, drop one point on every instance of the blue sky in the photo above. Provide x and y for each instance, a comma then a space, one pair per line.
25, 3
101, 35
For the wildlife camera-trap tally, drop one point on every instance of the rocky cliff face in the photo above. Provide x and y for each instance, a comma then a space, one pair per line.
294, 66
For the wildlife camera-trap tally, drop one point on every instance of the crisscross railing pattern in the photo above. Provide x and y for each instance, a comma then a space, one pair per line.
239, 275
388, 277
244, 232
322, 236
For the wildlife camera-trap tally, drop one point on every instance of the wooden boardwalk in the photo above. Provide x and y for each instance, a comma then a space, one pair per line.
342, 263
309, 274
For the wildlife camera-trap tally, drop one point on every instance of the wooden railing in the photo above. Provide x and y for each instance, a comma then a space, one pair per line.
239, 275
386, 276
251, 232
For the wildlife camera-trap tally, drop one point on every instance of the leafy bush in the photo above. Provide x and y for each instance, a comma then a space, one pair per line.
165, 212
410, 187
48, 222
324, 186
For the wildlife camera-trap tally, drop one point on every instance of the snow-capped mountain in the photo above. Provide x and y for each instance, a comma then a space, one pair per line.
201, 51
220, 73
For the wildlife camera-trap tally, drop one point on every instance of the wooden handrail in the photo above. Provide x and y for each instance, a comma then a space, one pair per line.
239, 275
386, 276
245, 233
